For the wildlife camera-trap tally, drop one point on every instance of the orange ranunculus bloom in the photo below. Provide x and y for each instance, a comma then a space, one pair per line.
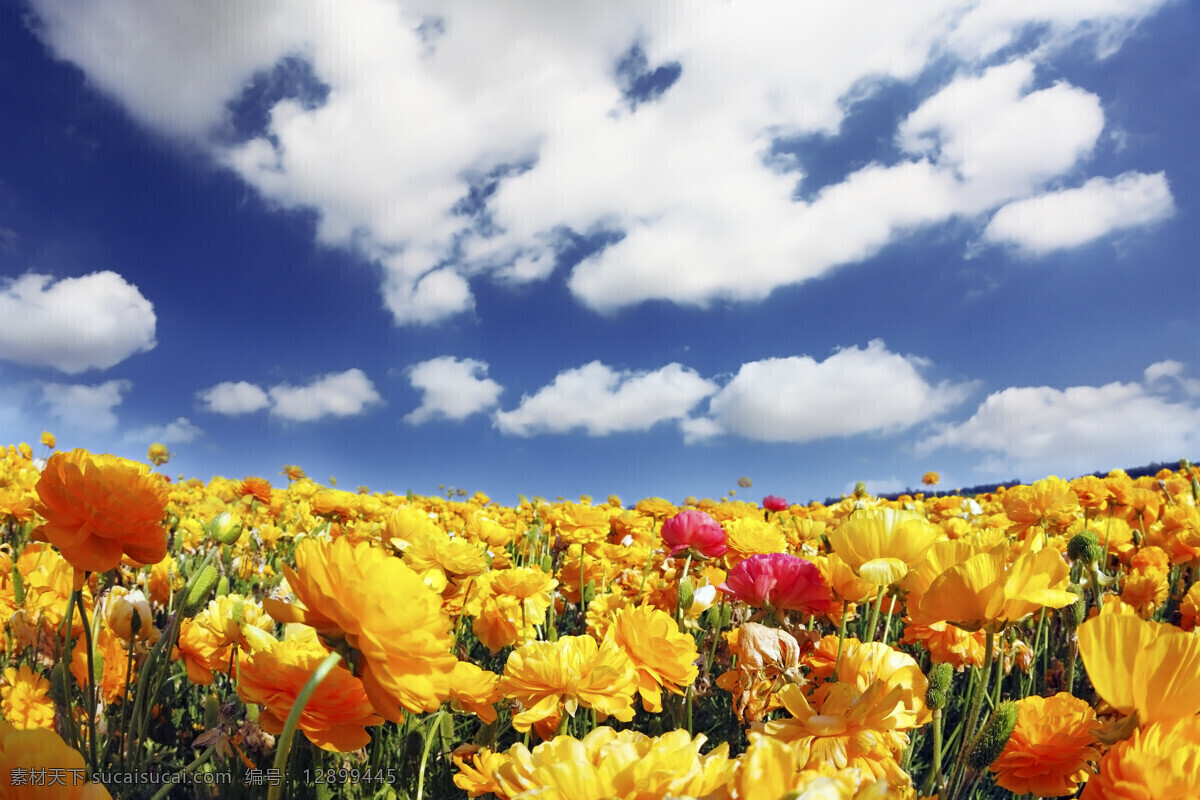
947, 643
273, 674
662, 654
23, 751
1159, 762
475, 690
358, 596
986, 592
1050, 749
548, 677
1148, 668
1038, 503
101, 508
258, 488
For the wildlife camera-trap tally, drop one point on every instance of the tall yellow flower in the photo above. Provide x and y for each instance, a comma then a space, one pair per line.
986, 592
663, 656
1137, 666
883, 544
548, 677
360, 598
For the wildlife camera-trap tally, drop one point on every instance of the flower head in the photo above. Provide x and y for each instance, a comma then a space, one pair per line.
1050, 748
774, 503
158, 454
25, 699
1160, 761
99, 509
23, 751
696, 530
663, 656
781, 580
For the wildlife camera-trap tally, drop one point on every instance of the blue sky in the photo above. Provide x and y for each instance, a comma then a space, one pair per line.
613, 248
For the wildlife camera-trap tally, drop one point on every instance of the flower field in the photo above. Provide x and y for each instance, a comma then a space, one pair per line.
250, 638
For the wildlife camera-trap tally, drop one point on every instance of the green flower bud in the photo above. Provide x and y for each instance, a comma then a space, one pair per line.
686, 595
991, 740
58, 685
223, 586
726, 615
548, 564
195, 594
940, 677
225, 528
212, 711
18, 585
860, 489
1085, 546
589, 592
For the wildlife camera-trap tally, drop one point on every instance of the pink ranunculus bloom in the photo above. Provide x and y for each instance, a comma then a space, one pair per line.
696, 530
774, 503
784, 581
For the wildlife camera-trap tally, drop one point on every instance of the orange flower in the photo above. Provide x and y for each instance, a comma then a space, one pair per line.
662, 654
14, 505
1189, 609
1160, 762
947, 643
547, 677
274, 673
258, 488
1038, 503
1050, 749
23, 751
100, 508
475, 690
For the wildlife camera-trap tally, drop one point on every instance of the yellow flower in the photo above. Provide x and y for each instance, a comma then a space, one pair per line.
883, 544
986, 592
120, 608
1160, 762
158, 454
931, 478
608, 763
48, 439
25, 699
1038, 504
508, 604
581, 524
1148, 668
748, 536
99, 509
272, 675
22, 751
1050, 749
662, 654
475, 690
547, 677
361, 598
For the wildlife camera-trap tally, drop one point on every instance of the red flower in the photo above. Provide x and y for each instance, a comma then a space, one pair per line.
773, 503
781, 580
696, 530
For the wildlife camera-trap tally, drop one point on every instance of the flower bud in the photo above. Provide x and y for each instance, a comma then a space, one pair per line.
938, 693
128, 613
1084, 546
991, 740
686, 593
225, 528
212, 710
223, 586
1076, 613
195, 594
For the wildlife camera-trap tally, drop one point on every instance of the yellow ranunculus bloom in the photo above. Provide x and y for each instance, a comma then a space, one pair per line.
662, 654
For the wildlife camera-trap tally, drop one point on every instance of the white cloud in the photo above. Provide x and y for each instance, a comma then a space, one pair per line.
341, 394
854, 391
1072, 217
180, 431
1080, 429
86, 408
602, 400
75, 324
452, 389
1162, 375
232, 398
384, 161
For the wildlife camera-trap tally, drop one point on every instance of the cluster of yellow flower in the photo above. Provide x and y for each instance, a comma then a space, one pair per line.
830, 647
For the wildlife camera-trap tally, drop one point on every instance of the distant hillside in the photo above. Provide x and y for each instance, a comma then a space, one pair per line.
987, 488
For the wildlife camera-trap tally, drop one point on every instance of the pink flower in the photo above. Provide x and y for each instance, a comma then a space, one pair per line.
696, 530
784, 581
773, 503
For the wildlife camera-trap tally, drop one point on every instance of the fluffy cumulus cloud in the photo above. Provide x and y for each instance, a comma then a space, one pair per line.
339, 394
73, 324
232, 398
85, 408
1042, 430
179, 431
853, 391
1072, 217
451, 389
601, 400
454, 142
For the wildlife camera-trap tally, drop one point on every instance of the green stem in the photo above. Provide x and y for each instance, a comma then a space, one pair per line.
437, 718
192, 767
887, 623
91, 683
712, 653
680, 578
935, 770
841, 641
284, 746
870, 634
973, 714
